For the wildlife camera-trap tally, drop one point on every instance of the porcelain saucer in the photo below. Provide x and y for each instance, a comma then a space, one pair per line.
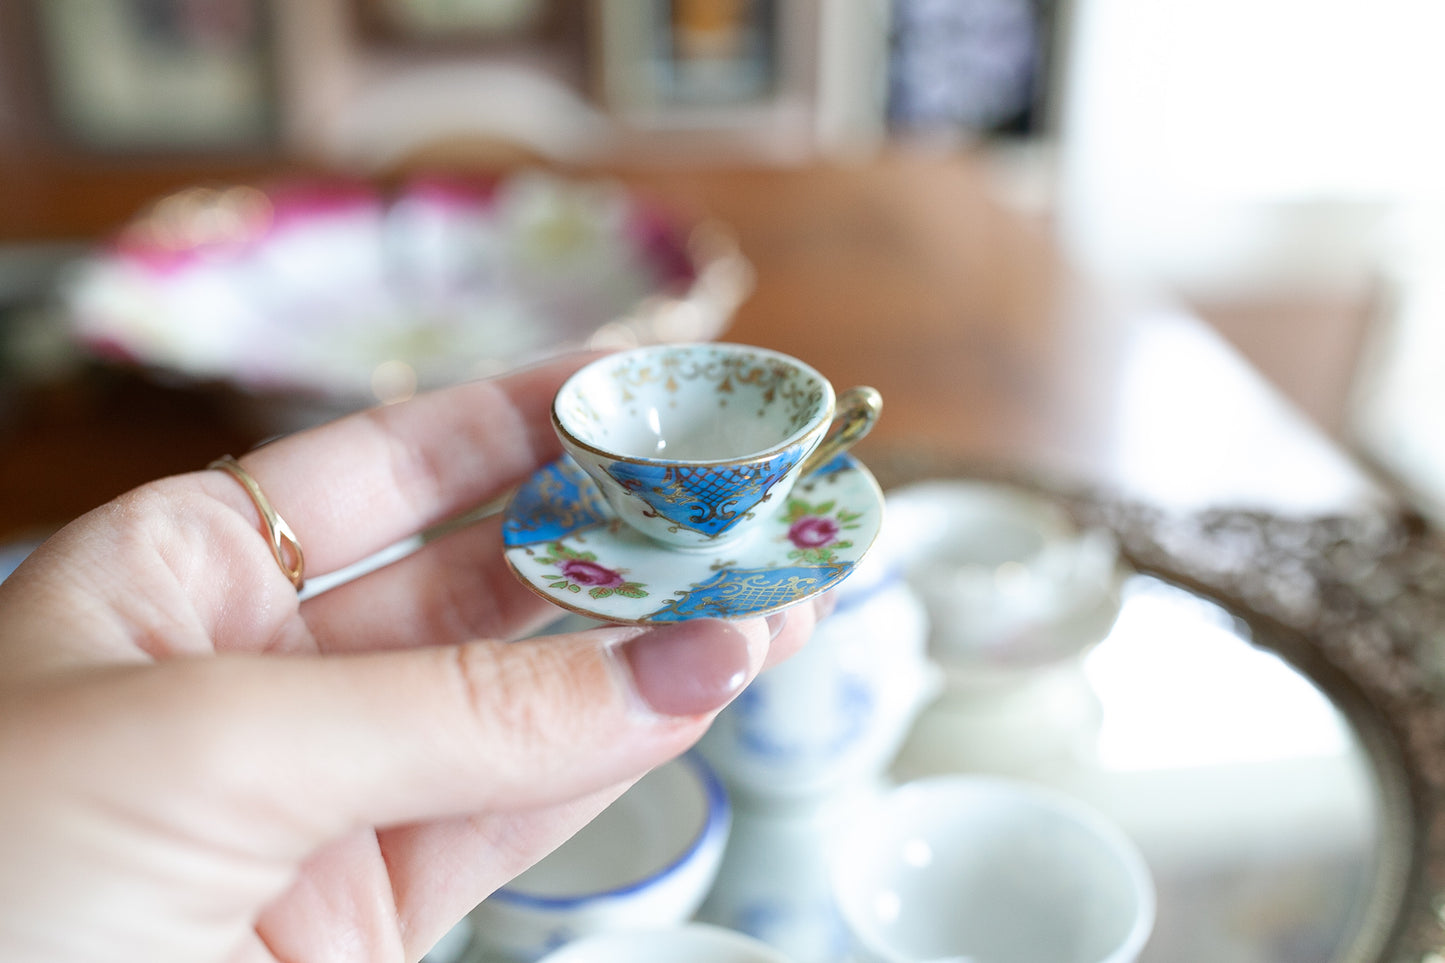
565, 542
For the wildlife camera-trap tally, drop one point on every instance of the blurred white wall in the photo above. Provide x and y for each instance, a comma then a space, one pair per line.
1273, 150
1246, 146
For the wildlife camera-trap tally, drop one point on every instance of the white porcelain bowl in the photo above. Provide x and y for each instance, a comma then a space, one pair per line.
648, 860
981, 868
691, 943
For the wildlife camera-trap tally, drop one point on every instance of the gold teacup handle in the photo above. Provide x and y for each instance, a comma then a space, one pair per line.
857, 412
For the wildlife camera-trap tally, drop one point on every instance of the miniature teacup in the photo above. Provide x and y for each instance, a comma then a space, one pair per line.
693, 443
689, 943
982, 868
649, 859
1013, 585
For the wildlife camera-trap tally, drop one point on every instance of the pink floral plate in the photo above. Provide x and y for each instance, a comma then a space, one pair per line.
565, 543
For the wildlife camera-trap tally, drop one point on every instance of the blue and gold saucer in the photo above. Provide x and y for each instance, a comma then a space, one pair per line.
564, 542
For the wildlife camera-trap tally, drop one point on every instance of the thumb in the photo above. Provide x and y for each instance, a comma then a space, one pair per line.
334, 743
287, 752
164, 779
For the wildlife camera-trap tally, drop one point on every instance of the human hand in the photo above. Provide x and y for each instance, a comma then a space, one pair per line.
200, 766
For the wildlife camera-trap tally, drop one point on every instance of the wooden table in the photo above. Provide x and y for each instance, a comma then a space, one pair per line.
907, 274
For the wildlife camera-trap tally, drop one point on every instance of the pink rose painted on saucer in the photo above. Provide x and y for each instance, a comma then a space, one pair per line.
591, 574
577, 570
816, 530
811, 531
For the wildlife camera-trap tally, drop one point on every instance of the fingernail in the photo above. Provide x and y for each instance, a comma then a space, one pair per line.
688, 668
824, 605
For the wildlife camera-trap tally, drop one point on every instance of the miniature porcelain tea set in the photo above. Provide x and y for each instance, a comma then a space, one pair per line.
714, 480
960, 867
699, 480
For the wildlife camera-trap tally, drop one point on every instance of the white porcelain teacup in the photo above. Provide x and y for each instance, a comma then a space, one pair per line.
1012, 583
830, 719
688, 943
690, 443
647, 860
774, 883
987, 869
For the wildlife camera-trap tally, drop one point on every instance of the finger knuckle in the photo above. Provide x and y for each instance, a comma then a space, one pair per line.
530, 696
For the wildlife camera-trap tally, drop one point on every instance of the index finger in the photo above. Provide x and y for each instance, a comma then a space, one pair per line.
355, 486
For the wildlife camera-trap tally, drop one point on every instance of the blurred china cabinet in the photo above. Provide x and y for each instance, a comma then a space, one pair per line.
369, 82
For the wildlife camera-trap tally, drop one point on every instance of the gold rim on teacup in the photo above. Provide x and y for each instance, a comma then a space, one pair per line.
689, 497
817, 419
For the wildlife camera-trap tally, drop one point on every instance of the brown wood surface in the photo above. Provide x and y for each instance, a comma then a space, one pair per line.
906, 274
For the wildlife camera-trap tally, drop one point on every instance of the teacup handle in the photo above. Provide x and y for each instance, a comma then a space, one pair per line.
855, 415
